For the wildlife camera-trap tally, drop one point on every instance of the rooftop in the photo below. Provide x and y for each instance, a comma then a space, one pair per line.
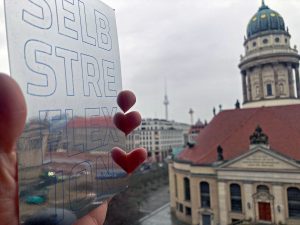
231, 129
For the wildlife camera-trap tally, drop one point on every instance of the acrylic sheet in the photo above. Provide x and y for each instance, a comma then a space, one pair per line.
64, 54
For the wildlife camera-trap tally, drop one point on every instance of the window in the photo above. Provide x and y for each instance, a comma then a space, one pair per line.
269, 90
277, 40
180, 207
254, 44
187, 192
294, 202
204, 195
265, 41
188, 211
236, 198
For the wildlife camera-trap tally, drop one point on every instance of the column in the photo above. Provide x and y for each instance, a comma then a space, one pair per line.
244, 87
249, 204
173, 186
297, 81
261, 86
291, 82
277, 91
249, 88
195, 192
279, 208
223, 209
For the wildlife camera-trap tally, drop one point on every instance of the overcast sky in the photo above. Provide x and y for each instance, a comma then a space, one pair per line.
195, 45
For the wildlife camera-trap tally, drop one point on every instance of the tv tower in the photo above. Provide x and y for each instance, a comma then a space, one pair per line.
166, 101
191, 112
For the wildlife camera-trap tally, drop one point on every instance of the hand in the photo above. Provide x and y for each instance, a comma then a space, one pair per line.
12, 122
95, 217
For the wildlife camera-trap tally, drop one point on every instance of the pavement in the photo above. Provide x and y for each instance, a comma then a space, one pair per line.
157, 208
157, 199
161, 216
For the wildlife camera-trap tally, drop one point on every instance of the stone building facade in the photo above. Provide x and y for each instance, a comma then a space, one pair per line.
158, 136
244, 167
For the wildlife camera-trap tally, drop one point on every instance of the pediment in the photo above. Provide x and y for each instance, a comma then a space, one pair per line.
262, 159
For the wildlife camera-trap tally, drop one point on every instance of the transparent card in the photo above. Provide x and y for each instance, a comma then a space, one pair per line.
64, 55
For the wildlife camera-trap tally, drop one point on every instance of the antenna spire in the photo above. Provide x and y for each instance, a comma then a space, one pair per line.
166, 101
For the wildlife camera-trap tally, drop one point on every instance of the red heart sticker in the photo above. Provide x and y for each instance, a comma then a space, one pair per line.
127, 122
12, 111
126, 99
129, 161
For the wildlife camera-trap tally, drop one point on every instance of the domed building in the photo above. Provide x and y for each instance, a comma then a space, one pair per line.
244, 167
270, 66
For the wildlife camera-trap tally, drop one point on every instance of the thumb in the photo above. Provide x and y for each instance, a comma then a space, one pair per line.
12, 121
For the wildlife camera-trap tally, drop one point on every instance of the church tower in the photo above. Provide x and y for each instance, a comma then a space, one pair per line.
270, 66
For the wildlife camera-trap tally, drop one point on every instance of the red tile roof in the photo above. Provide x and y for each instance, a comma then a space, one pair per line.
232, 128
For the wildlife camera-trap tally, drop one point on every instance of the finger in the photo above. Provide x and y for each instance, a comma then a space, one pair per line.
95, 217
12, 113
12, 122
8, 189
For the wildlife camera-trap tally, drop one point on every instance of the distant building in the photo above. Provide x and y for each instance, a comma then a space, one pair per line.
195, 131
158, 136
244, 167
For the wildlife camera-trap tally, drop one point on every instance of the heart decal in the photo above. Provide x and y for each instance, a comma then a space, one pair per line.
129, 161
127, 122
126, 99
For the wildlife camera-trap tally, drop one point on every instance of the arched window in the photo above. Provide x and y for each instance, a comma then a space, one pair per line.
262, 188
204, 195
294, 202
236, 198
187, 192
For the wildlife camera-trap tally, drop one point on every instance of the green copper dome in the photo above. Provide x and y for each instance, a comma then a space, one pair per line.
264, 20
